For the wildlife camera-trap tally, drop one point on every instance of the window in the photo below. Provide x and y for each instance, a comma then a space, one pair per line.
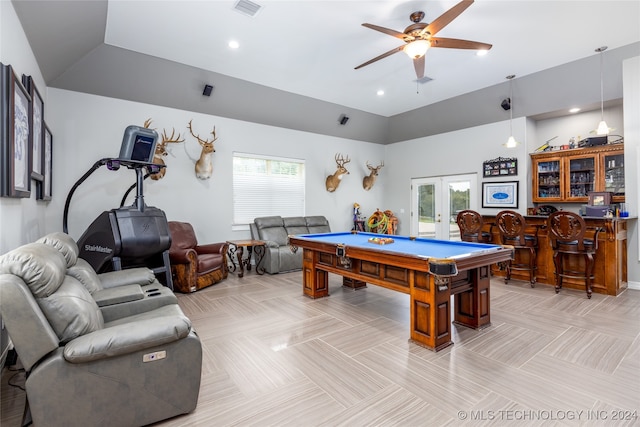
264, 186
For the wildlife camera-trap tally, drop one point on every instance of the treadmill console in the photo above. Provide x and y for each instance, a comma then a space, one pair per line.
138, 144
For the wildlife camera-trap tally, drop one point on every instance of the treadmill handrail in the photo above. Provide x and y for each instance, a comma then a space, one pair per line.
86, 175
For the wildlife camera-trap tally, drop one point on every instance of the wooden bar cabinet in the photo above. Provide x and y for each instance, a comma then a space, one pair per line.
610, 269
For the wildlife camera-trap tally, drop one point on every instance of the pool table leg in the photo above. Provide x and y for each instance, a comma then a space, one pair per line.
471, 307
353, 283
430, 311
315, 282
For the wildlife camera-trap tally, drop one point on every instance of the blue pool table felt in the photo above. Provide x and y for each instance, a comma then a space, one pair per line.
422, 247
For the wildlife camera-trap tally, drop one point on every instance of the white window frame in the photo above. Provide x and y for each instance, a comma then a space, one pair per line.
261, 193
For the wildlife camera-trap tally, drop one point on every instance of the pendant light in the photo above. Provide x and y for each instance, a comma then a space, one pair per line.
603, 129
511, 142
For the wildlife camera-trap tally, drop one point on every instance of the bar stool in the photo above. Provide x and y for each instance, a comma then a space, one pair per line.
470, 224
514, 232
567, 232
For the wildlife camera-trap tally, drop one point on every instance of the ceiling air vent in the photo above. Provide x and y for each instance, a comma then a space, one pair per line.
247, 7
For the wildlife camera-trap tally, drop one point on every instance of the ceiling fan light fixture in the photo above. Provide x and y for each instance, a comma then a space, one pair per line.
419, 37
417, 49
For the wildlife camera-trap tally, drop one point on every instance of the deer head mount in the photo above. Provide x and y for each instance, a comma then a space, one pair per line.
161, 149
333, 181
204, 165
370, 179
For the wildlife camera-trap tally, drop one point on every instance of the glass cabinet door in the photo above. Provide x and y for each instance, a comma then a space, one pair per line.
582, 177
548, 180
614, 175
570, 175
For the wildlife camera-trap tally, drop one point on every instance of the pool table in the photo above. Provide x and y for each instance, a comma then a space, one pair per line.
429, 270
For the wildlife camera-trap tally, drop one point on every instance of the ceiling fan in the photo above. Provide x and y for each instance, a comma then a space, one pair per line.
419, 36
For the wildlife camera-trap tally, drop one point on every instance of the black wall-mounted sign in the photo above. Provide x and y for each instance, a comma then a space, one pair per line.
500, 167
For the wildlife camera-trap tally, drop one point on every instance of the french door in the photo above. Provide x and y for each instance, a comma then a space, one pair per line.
436, 201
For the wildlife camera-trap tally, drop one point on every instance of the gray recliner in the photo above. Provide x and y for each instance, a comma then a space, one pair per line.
275, 231
81, 370
118, 293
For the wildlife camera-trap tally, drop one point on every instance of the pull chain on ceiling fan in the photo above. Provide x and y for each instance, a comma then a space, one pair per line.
419, 37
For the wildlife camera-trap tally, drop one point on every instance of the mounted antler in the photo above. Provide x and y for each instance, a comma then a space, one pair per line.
204, 165
161, 151
333, 181
370, 179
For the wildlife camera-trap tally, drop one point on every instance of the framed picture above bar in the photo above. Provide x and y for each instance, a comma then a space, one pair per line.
500, 194
36, 127
15, 157
500, 167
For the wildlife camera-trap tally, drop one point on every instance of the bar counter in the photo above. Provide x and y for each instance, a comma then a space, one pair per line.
610, 270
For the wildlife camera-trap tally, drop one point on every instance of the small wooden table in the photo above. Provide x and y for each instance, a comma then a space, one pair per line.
253, 246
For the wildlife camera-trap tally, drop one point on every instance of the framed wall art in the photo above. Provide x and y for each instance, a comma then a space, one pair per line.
502, 166
15, 173
500, 194
36, 128
44, 186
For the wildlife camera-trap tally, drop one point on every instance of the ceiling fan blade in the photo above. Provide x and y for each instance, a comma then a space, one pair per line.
443, 20
384, 55
418, 64
388, 31
458, 43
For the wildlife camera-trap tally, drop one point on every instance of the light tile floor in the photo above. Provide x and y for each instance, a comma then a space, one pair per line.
273, 357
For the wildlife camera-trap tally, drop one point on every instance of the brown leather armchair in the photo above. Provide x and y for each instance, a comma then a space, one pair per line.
195, 266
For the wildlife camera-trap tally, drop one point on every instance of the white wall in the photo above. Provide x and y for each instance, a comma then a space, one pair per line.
87, 128
631, 80
453, 153
580, 126
21, 220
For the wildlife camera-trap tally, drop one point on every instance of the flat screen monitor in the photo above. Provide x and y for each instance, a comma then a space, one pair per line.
138, 144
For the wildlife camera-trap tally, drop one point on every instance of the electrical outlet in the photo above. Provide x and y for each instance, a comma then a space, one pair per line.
152, 357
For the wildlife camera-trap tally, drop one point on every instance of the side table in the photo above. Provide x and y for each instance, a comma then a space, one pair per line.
236, 247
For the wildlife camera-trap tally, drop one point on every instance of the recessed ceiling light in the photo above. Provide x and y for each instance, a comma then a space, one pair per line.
482, 52
574, 110
380, 92
233, 44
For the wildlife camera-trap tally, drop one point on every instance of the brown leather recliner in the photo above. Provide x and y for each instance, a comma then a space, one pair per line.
195, 266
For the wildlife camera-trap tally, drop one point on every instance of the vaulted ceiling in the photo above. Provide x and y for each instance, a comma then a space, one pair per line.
300, 55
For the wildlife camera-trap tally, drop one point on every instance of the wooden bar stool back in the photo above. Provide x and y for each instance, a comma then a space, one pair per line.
570, 238
471, 227
514, 232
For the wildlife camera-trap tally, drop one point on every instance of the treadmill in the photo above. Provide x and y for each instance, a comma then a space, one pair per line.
128, 236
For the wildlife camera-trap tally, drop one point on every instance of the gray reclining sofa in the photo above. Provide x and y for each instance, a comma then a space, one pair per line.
274, 230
